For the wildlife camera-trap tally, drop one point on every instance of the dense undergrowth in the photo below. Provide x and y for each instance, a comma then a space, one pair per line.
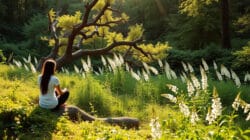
118, 92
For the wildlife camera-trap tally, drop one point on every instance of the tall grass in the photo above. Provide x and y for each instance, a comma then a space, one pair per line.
116, 89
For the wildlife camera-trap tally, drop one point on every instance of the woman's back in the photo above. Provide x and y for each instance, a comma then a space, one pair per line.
49, 99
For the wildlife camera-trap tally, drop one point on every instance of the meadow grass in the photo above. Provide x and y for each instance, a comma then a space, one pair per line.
119, 92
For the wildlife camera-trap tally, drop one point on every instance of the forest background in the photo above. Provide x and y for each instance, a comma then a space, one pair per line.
214, 30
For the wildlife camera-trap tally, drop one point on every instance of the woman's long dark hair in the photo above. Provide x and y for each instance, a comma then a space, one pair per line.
49, 67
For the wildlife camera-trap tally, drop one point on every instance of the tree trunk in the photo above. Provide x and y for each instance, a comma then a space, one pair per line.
225, 32
77, 114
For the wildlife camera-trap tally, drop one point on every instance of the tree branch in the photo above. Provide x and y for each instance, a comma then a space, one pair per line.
77, 28
101, 51
105, 7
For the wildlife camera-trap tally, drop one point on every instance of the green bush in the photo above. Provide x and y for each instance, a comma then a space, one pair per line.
93, 97
242, 60
210, 53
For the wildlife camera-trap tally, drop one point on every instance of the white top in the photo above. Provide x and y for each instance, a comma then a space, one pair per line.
48, 100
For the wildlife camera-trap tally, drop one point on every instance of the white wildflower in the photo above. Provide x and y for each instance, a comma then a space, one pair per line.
216, 107
17, 63
168, 74
184, 109
247, 77
183, 79
215, 65
204, 63
29, 58
96, 73
76, 69
110, 69
173, 74
184, 75
138, 72
113, 131
184, 66
246, 108
233, 74
83, 75
235, 78
32, 67
236, 103
155, 128
195, 82
248, 117
209, 117
112, 64
154, 70
85, 66
204, 83
36, 62
160, 63
224, 71
190, 88
194, 117
170, 97
173, 88
219, 75
167, 67
146, 67
26, 67
117, 60
121, 58
190, 67
127, 67
104, 62
134, 75
237, 82
100, 70
145, 75
89, 62
216, 110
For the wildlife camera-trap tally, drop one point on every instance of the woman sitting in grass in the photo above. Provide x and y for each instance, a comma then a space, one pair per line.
51, 95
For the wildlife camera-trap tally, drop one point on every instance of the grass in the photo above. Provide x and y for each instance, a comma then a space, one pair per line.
116, 93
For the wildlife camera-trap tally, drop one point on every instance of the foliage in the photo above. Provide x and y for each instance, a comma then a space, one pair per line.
119, 91
211, 53
2, 57
243, 57
73, 32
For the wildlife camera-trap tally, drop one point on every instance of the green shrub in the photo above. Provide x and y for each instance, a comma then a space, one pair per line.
242, 60
93, 97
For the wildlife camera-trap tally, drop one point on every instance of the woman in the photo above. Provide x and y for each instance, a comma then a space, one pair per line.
51, 95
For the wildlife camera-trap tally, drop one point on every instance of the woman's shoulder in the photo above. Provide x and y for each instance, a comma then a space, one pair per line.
54, 79
39, 76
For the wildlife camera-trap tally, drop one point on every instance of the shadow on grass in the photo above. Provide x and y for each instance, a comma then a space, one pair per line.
39, 124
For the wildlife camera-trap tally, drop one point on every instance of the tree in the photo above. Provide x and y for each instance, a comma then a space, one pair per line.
71, 34
194, 8
225, 32
14, 13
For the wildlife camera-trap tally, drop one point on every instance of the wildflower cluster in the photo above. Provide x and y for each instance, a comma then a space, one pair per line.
216, 110
155, 128
238, 102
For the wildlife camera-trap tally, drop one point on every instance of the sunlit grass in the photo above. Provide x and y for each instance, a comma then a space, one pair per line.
115, 89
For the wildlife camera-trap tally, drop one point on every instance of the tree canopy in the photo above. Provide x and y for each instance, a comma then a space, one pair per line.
72, 35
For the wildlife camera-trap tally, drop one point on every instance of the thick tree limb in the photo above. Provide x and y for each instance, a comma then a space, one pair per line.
105, 50
77, 114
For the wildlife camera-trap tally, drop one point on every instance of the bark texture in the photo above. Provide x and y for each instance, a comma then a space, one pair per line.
77, 114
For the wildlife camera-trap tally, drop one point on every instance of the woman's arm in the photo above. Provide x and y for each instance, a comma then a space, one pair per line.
58, 89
